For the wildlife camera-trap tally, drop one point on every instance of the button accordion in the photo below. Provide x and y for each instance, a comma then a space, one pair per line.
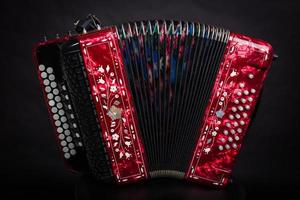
152, 98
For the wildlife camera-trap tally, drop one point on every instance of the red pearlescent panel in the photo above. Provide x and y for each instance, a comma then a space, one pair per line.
235, 93
111, 94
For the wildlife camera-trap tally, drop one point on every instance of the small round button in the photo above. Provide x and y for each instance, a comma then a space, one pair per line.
232, 131
231, 117
239, 130
246, 92
243, 100
238, 116
214, 133
221, 148
251, 76
247, 107
236, 101
233, 109
252, 90
225, 132
242, 122
228, 124
240, 108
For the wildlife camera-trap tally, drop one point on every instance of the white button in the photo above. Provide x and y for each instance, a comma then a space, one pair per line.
67, 132
43, 74
223, 140
237, 116
232, 131
63, 143
227, 146
246, 92
61, 112
51, 103
239, 93
241, 108
250, 99
252, 90
231, 117
245, 115
61, 136
71, 145
233, 109
59, 130
242, 85
247, 107
59, 105
230, 139
50, 96
46, 82
63, 119
69, 139
243, 100
57, 123
48, 89
242, 122
220, 147
214, 133
73, 152
225, 132
239, 130
236, 101
50, 70
54, 109
236, 138
53, 84
51, 77
41, 67
65, 126
55, 91
228, 124
234, 145
235, 124
67, 155
65, 149
251, 76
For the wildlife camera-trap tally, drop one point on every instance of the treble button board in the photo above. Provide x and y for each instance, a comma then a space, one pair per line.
230, 109
237, 115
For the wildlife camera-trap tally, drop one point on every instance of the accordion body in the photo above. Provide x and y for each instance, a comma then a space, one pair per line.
153, 98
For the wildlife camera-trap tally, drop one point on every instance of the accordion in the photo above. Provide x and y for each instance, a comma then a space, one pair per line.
152, 98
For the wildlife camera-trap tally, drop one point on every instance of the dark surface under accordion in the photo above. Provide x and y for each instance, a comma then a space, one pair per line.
171, 68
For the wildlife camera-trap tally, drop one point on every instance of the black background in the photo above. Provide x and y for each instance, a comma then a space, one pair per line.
30, 164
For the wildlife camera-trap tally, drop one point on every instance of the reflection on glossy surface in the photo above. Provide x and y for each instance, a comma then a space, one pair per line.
161, 188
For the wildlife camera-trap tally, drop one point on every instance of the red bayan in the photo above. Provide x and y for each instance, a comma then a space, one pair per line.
153, 98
